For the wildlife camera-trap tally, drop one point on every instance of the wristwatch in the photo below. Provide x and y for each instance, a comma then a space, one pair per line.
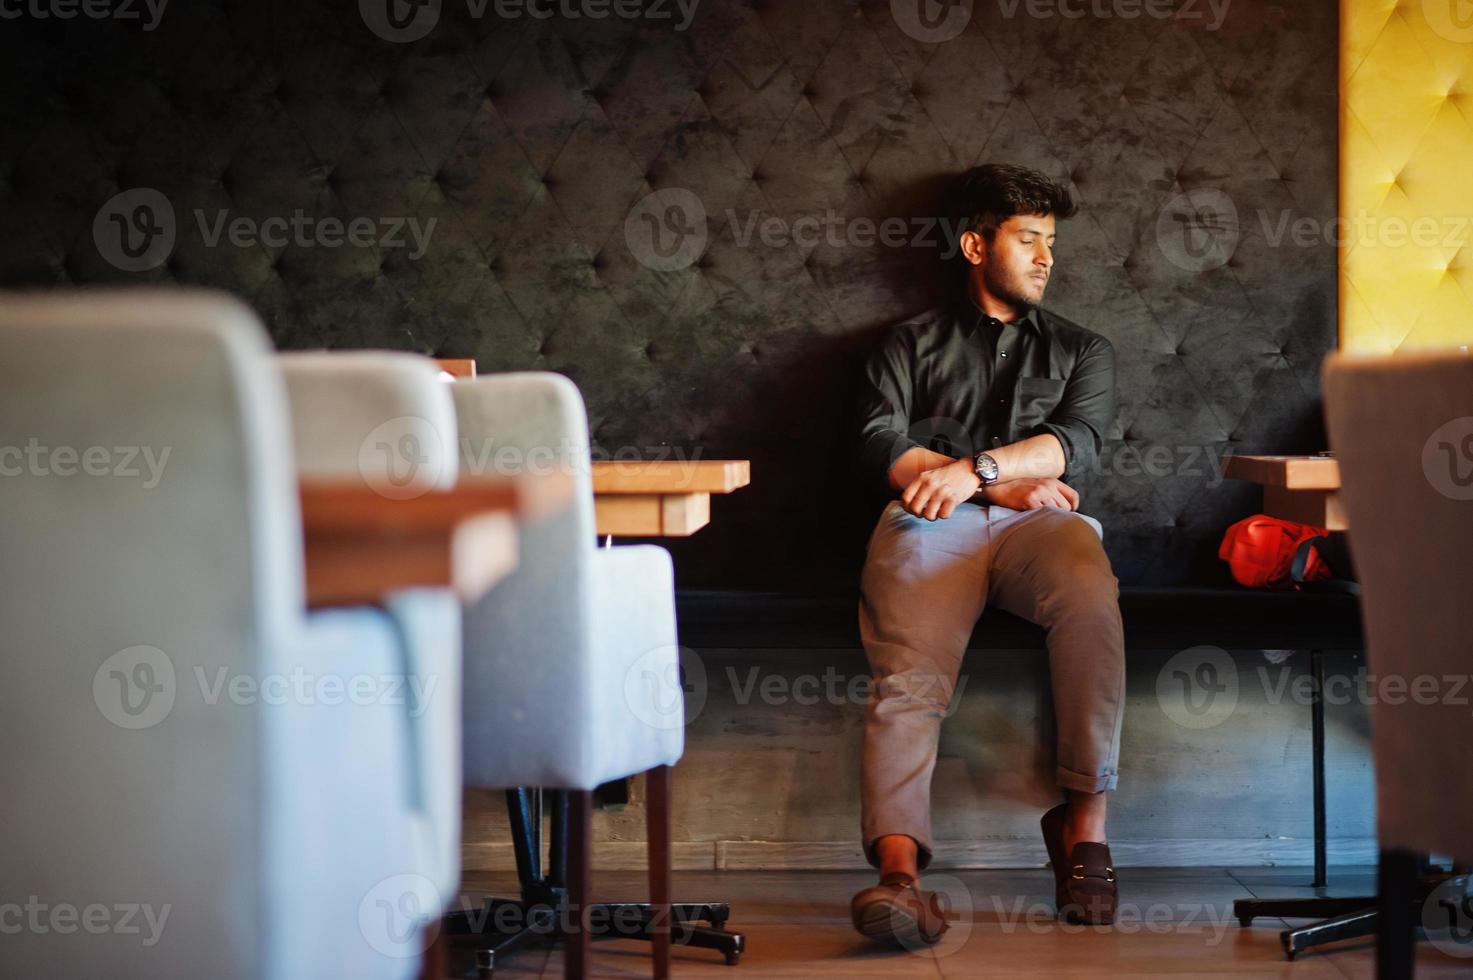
985, 467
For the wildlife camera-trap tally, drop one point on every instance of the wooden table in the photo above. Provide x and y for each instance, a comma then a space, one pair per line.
661, 498
1295, 488
457, 367
360, 545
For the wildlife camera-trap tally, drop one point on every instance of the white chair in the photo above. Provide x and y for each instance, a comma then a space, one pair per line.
385, 420
1402, 429
194, 781
571, 676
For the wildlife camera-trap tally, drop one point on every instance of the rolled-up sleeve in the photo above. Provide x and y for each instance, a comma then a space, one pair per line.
1085, 412
885, 395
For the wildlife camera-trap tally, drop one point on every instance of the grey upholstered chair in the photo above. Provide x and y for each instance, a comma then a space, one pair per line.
1402, 429
571, 671
175, 802
385, 419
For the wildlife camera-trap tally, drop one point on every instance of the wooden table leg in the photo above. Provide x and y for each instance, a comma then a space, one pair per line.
580, 884
657, 830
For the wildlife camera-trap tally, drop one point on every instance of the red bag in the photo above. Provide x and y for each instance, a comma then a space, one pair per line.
1268, 553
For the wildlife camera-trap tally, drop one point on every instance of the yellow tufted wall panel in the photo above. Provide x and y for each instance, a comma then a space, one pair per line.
1406, 174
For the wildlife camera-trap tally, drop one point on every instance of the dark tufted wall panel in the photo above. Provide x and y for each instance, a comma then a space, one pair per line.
529, 140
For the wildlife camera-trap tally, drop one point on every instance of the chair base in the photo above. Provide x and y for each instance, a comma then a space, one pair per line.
503, 926
547, 910
1340, 918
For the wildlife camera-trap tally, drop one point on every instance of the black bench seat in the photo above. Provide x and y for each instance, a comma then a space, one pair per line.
1155, 617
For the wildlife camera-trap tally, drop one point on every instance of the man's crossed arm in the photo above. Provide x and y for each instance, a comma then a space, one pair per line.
931, 484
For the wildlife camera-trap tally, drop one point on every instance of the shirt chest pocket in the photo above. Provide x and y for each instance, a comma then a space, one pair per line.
1034, 401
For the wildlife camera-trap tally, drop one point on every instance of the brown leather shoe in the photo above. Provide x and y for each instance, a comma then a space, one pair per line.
897, 910
1086, 891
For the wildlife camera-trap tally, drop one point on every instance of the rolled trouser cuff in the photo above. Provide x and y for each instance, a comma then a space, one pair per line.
923, 847
1086, 782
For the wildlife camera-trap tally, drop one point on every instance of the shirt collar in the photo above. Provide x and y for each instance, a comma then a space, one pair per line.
974, 319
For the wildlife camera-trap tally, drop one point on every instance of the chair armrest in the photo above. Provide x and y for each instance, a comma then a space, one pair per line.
641, 704
428, 623
342, 863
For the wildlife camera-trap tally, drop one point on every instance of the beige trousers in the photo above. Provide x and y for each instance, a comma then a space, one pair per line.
925, 584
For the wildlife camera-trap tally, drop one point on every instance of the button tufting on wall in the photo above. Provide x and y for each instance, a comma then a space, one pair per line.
529, 139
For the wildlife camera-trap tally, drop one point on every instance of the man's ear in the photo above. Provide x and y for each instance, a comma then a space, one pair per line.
974, 247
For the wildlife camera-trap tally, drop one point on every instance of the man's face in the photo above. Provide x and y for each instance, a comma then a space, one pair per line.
1015, 266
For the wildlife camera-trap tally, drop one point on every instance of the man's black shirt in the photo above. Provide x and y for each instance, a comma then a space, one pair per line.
958, 382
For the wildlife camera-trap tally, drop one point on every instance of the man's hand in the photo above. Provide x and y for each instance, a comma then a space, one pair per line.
935, 493
1030, 494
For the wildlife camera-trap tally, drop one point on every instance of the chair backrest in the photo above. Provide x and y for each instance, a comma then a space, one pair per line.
526, 420
1402, 429
387, 418
514, 423
149, 534
384, 416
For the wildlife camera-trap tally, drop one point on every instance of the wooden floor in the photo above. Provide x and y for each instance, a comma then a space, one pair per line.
1175, 922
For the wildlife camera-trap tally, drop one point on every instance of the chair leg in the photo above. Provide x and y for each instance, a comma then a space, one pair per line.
432, 966
580, 884
657, 831
1397, 878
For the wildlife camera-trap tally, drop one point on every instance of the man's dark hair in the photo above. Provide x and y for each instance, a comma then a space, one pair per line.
988, 195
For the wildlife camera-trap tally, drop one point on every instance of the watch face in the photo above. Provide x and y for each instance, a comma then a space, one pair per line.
986, 467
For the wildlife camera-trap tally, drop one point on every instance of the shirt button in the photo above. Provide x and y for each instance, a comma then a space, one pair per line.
1004, 353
